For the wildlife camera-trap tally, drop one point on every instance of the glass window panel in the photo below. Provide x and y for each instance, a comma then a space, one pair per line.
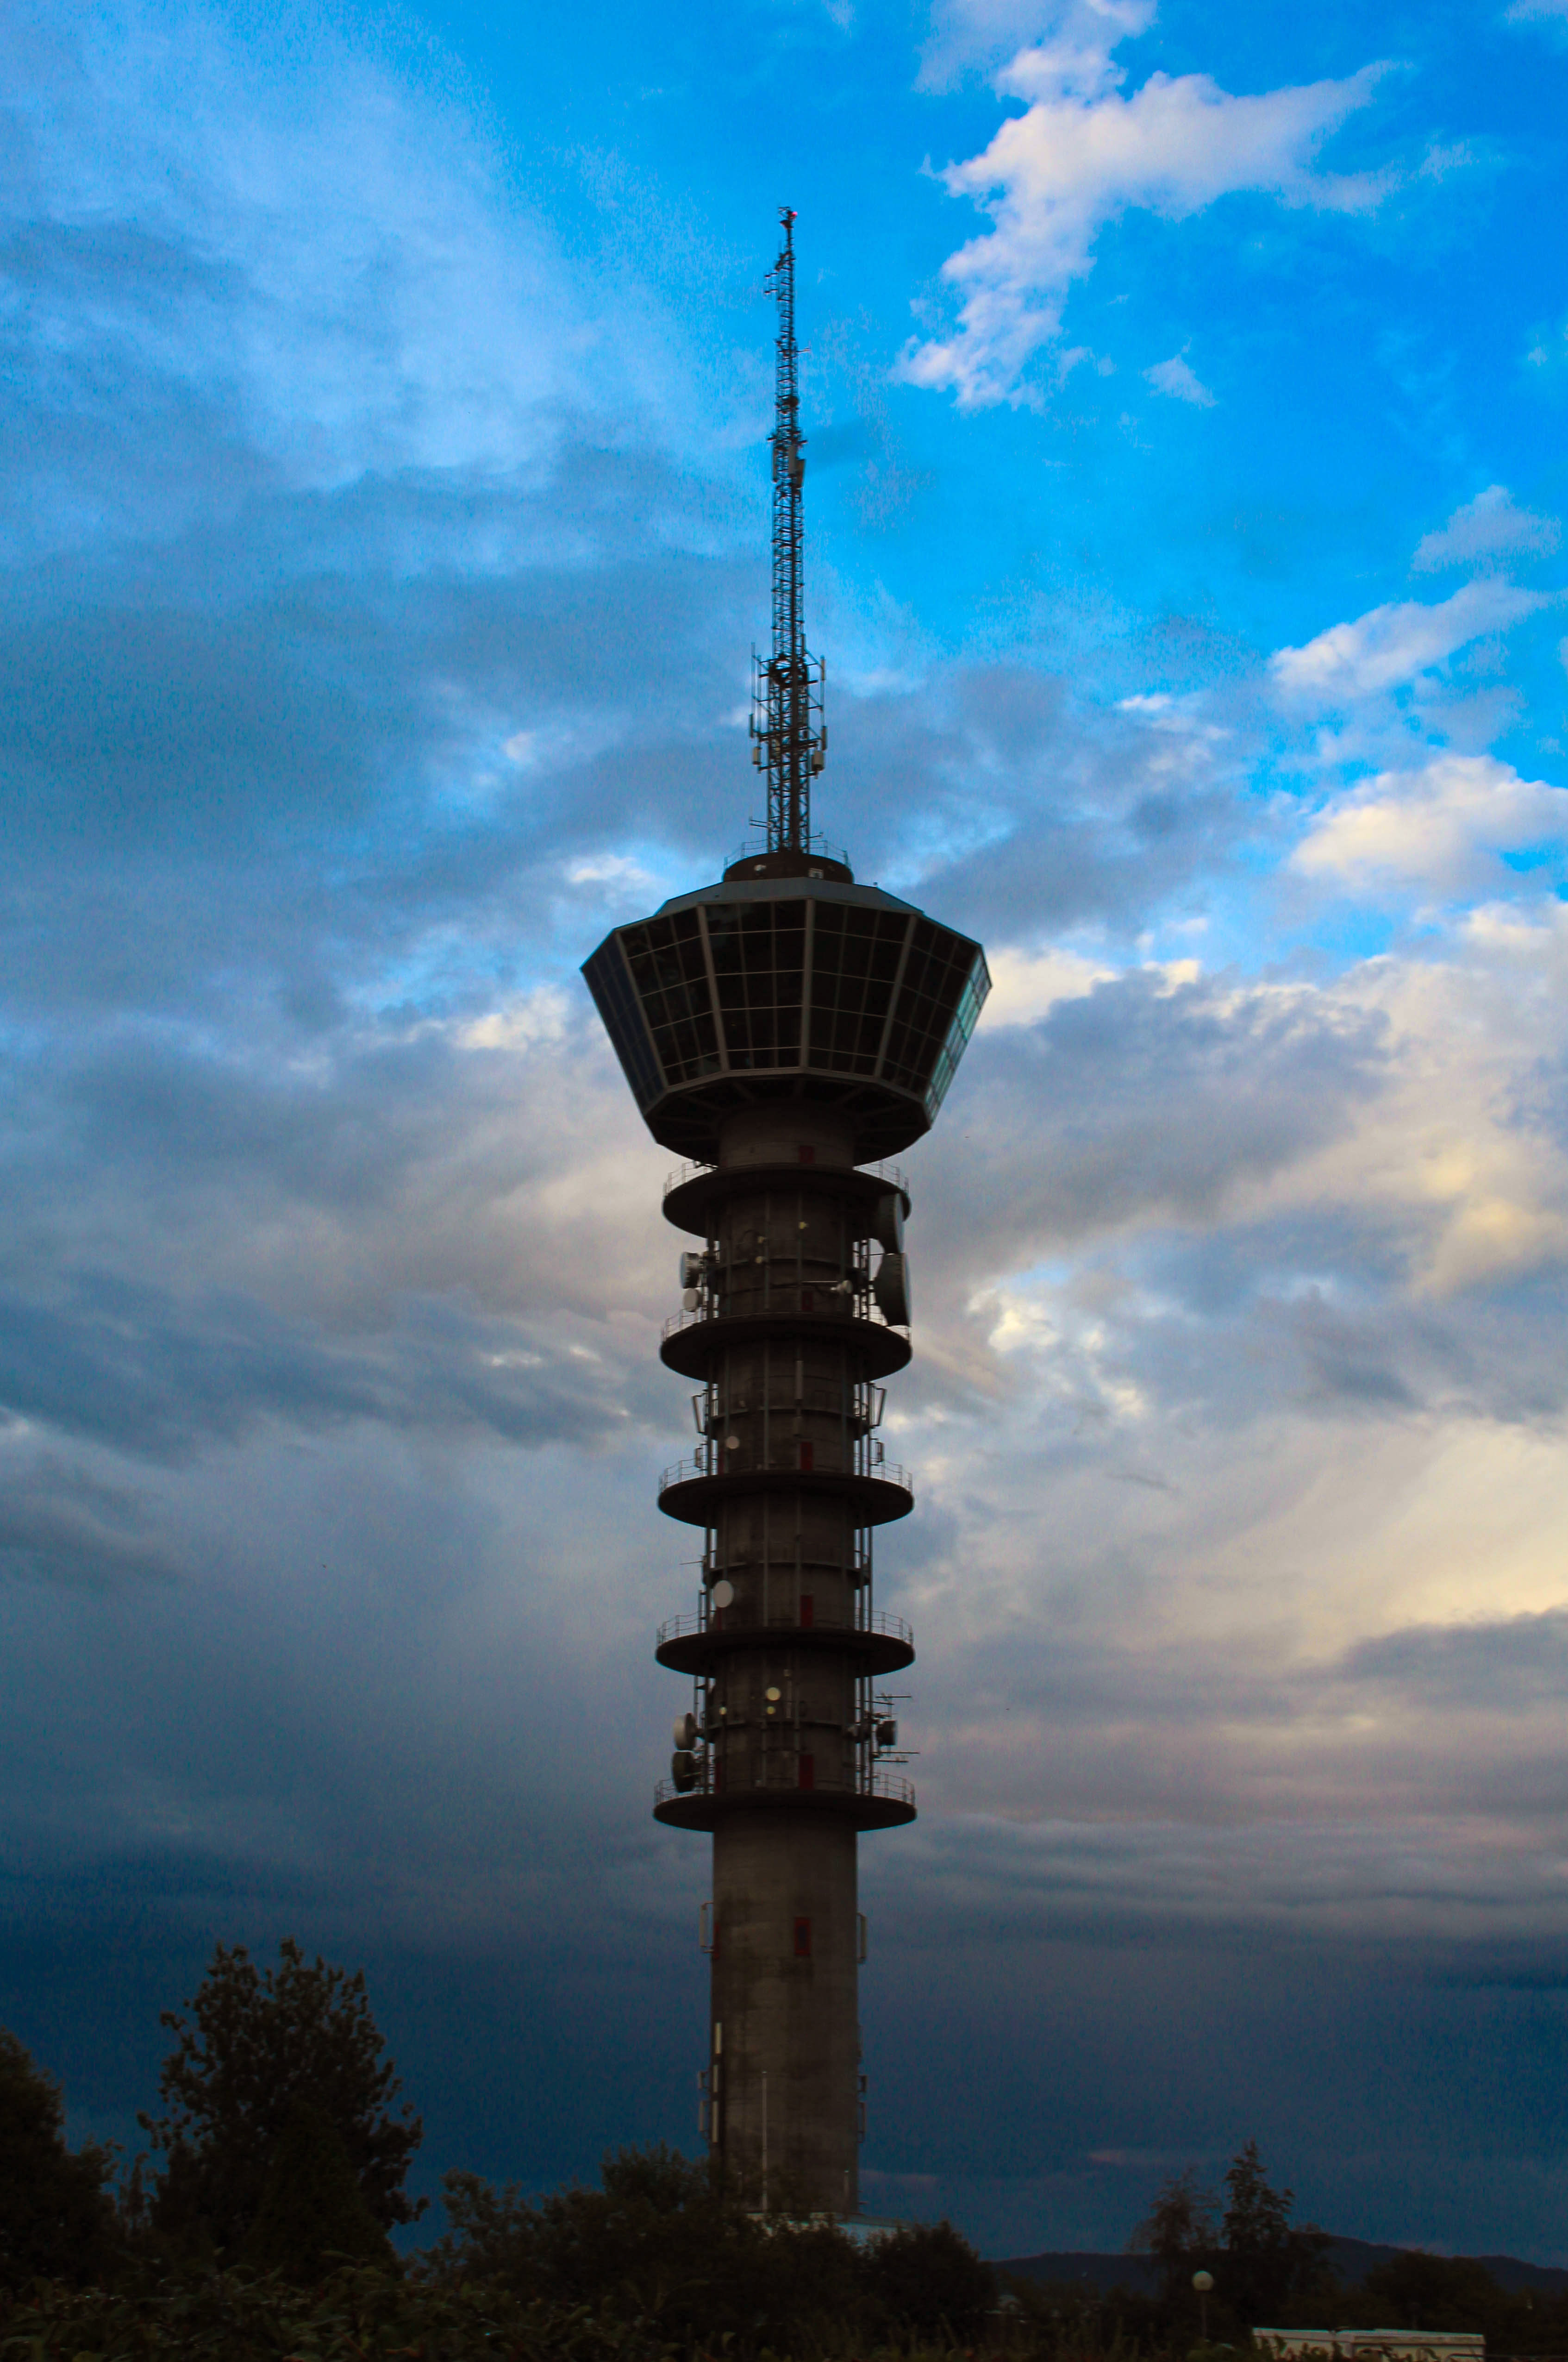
856, 957
972, 999
935, 977
617, 1004
758, 957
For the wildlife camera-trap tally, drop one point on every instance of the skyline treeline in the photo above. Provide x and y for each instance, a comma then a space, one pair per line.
285, 2149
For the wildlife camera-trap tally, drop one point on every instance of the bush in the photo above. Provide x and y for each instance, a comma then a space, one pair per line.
355, 2313
925, 2280
55, 2217
660, 2241
313, 2211
664, 2243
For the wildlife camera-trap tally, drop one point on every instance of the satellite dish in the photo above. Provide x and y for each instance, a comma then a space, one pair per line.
887, 1222
688, 1299
686, 1732
724, 1593
891, 1289
683, 1770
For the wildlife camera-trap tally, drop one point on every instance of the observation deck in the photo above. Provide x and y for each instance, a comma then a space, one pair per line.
692, 1340
877, 1800
879, 1643
693, 1190
795, 984
694, 1490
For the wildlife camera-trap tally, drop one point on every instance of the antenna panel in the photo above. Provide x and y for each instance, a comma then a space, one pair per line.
891, 1289
887, 1222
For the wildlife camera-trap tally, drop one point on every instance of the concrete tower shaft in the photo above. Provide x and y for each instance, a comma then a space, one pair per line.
783, 1028
790, 1732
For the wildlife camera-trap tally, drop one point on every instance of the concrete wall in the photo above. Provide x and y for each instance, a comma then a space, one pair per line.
785, 2031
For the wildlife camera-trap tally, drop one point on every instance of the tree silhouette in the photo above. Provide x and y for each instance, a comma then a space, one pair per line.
313, 2211
55, 2216
1266, 2263
252, 2044
1180, 2232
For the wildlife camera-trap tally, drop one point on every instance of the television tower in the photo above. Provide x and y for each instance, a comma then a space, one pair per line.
781, 1030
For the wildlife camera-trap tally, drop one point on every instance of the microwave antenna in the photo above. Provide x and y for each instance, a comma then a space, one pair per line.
788, 730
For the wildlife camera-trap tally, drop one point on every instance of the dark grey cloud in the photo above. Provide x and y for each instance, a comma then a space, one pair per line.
123, 1364
60, 1524
1144, 1103
1499, 1667
997, 794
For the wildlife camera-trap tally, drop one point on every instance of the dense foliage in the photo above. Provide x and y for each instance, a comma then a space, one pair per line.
662, 2242
1264, 2269
55, 2216
252, 2045
355, 2313
313, 2208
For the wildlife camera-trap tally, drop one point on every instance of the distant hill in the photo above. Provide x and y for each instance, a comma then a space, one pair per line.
1351, 2259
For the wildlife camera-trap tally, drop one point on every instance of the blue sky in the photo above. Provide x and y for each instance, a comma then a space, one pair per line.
382, 545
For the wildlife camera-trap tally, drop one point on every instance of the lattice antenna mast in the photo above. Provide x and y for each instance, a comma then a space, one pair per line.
788, 730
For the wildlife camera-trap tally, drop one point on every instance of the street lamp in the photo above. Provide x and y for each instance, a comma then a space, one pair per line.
1203, 2282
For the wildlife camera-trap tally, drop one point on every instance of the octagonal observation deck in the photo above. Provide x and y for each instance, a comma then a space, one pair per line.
788, 980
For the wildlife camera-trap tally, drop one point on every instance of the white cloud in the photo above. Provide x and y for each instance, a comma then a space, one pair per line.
1521, 11
1442, 826
1446, 1154
987, 33
1389, 646
1080, 155
614, 873
1176, 378
967, 34
540, 1016
1025, 985
1488, 526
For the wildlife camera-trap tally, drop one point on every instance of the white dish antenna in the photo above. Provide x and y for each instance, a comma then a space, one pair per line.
724, 1593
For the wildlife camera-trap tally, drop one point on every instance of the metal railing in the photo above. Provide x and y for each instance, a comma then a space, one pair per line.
893, 1175
844, 1307
706, 1463
891, 1787
693, 1169
857, 1407
757, 848
678, 1174
682, 1628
